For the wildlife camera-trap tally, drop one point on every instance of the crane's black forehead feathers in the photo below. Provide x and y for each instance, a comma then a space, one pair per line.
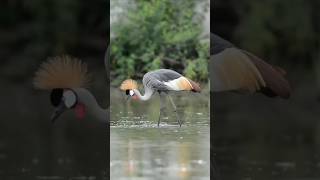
56, 96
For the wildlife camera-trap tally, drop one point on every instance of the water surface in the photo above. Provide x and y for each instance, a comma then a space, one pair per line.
259, 138
141, 150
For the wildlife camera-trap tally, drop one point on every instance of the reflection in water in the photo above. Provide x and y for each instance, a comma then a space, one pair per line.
270, 142
141, 150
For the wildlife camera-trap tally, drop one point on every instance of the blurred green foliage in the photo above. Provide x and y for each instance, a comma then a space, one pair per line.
159, 34
283, 32
285, 28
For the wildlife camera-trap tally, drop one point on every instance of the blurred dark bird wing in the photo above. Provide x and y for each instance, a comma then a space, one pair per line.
217, 44
234, 69
276, 84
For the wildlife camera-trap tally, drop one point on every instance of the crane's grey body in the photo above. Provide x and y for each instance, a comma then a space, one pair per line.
155, 79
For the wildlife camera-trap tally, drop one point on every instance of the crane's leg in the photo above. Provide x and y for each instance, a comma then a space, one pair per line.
175, 110
162, 106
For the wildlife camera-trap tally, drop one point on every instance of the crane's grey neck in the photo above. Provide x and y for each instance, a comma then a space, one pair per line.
147, 93
90, 102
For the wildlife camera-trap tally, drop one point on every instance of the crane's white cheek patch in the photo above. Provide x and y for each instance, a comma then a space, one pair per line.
135, 97
80, 110
70, 98
131, 93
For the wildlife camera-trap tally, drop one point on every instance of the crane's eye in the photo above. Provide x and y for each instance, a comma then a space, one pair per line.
131, 93
56, 96
70, 98
127, 92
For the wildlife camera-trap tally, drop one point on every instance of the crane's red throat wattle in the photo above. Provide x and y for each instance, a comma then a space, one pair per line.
80, 110
135, 97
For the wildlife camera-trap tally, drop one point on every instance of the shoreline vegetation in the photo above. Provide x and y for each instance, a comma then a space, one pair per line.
160, 34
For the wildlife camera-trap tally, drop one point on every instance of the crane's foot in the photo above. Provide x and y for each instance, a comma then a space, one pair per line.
180, 124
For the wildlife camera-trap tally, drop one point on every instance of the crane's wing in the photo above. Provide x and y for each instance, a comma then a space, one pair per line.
234, 69
156, 79
166, 79
276, 84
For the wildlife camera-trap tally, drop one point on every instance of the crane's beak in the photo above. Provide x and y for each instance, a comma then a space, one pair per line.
128, 98
58, 111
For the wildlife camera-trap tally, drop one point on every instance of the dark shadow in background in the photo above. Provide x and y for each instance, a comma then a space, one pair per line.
256, 137
31, 147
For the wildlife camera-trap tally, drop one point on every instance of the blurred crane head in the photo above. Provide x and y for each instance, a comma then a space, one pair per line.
66, 78
64, 99
129, 86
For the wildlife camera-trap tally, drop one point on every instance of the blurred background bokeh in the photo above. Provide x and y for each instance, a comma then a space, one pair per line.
31, 147
256, 137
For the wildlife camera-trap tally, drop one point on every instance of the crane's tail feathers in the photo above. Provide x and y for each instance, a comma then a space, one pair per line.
195, 86
128, 85
61, 72
276, 84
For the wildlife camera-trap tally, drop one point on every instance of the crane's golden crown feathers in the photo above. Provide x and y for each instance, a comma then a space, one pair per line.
128, 85
61, 72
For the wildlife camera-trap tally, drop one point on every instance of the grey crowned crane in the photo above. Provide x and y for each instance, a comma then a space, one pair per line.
234, 69
162, 81
67, 79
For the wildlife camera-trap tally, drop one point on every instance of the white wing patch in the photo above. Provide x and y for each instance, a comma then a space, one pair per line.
179, 84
